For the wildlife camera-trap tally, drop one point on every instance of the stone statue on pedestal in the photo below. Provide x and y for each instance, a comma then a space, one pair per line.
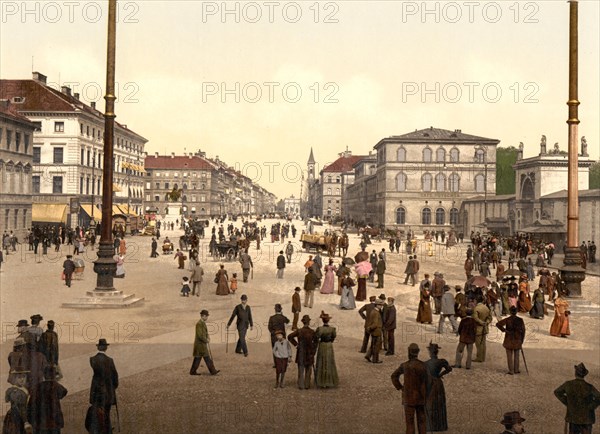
543, 145
520, 152
584, 152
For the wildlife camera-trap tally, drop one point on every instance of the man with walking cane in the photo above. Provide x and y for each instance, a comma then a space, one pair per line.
202, 348
102, 392
514, 329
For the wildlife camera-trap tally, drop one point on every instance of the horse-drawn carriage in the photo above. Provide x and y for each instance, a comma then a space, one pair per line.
321, 242
228, 250
316, 242
167, 247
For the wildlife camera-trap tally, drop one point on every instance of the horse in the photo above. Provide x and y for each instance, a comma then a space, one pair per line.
343, 243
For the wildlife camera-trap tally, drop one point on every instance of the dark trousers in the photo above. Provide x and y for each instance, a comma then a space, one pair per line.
295, 321
580, 429
409, 415
379, 280
209, 364
245, 274
365, 342
374, 349
241, 346
437, 302
391, 341
304, 376
196, 284
68, 277
512, 357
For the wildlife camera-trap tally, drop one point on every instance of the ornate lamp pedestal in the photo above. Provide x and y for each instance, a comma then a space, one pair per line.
572, 272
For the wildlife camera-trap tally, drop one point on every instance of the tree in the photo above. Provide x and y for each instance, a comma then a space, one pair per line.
594, 176
505, 174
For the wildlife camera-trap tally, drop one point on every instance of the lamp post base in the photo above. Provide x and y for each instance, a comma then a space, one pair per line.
572, 273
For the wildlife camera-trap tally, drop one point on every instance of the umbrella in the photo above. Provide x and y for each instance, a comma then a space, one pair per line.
513, 272
479, 281
348, 261
361, 256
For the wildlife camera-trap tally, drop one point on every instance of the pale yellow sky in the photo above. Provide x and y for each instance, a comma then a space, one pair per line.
262, 82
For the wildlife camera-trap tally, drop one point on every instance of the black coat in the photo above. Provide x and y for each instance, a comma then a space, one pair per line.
104, 382
244, 316
280, 262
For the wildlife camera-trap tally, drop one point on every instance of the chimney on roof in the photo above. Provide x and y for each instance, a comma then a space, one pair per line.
4, 103
156, 155
76, 95
172, 154
39, 77
93, 105
66, 90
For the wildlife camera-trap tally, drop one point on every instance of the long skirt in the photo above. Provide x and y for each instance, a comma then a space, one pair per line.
560, 325
524, 303
361, 292
435, 409
347, 299
326, 372
537, 311
424, 312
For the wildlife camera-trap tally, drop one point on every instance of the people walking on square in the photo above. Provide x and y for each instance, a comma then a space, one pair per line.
282, 354
435, 409
233, 283
289, 251
326, 375
560, 323
105, 382
380, 269
364, 314
447, 310
305, 341
154, 246
581, 399
185, 287
513, 328
362, 269
277, 324
329, 280
310, 284
424, 309
483, 317
280, 265
513, 423
246, 263
45, 413
222, 281
389, 326
466, 338
202, 347
296, 307
437, 291
347, 301
243, 315
374, 325
17, 396
196, 277
68, 270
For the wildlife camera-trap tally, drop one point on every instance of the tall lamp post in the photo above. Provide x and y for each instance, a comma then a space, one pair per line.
93, 221
481, 157
572, 273
182, 206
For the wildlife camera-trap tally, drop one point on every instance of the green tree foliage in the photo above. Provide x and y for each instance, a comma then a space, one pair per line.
595, 175
505, 174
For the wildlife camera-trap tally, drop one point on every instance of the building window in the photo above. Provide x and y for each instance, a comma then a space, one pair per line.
426, 216
427, 155
37, 154
401, 216
35, 183
6, 218
440, 216
38, 125
8, 139
158, 185
89, 159
329, 179
1, 135
24, 218
16, 219
59, 127
87, 186
401, 154
454, 155
480, 156
81, 129
17, 141
26, 142
440, 182
338, 179
454, 216
440, 155
57, 184
479, 183
81, 185
166, 185
337, 191
87, 130
58, 156
426, 182
401, 179
157, 198
453, 182
329, 191
98, 186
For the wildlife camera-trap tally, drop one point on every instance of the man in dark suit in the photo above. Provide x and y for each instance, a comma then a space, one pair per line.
201, 347
103, 390
389, 325
276, 324
244, 319
581, 399
514, 329
364, 314
305, 356
68, 269
415, 389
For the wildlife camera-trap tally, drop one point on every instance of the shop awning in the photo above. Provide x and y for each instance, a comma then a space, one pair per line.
87, 208
116, 188
49, 213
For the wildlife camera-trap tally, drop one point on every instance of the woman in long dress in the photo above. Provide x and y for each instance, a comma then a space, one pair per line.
221, 279
537, 311
362, 270
347, 299
424, 311
326, 372
435, 412
120, 260
329, 280
560, 323
524, 303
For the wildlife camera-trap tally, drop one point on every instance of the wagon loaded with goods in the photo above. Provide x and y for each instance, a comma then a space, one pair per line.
316, 242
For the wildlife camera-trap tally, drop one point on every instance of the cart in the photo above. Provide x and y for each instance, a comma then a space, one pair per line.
79, 268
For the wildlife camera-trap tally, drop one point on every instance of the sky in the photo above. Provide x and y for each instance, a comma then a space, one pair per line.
259, 83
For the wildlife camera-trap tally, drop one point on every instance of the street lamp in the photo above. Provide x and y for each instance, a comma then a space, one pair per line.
93, 222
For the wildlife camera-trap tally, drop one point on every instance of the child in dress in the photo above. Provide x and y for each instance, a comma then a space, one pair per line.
185, 287
233, 283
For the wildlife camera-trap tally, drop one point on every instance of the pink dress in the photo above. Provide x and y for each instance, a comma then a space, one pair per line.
329, 280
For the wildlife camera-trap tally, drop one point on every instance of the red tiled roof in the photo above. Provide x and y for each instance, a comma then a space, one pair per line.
38, 97
177, 162
11, 113
343, 164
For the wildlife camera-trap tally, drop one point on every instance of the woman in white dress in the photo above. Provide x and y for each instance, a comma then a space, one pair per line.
347, 299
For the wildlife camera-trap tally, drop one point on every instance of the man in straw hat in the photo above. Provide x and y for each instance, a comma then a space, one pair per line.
513, 423
201, 348
304, 340
414, 390
103, 390
581, 399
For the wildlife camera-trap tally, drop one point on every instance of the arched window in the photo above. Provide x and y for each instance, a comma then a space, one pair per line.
440, 216
426, 182
338, 179
427, 155
329, 191
479, 183
337, 191
453, 182
401, 154
480, 156
454, 153
440, 155
401, 179
454, 216
440, 182
401, 216
426, 216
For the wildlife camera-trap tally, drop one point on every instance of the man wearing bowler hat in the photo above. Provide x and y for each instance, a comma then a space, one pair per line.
68, 269
581, 399
201, 348
244, 319
513, 423
304, 340
103, 390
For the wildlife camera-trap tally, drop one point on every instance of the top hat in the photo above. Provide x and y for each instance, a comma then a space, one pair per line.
297, 288
382, 296
433, 346
204, 312
305, 319
244, 297
69, 256
23, 323
102, 343
580, 370
324, 316
512, 418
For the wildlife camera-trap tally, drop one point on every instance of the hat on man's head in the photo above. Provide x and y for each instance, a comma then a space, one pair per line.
281, 252
382, 296
580, 370
279, 332
102, 343
244, 297
324, 316
305, 319
433, 346
203, 312
297, 288
446, 288
458, 288
69, 256
413, 349
372, 298
23, 323
19, 369
37, 317
278, 307
512, 418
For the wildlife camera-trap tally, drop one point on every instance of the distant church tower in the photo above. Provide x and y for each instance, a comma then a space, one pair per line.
311, 166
